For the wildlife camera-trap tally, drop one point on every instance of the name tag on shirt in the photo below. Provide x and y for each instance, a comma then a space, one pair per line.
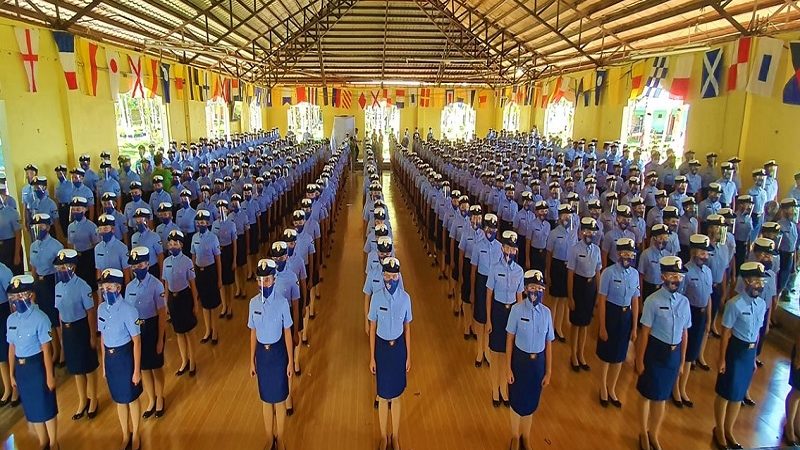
383, 308
101, 319
664, 307
501, 275
582, 256
617, 281
745, 313
525, 319
257, 312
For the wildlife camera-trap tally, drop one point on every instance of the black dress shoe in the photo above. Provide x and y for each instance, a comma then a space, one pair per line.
79, 415
193, 372
93, 414
375, 405
214, 341
759, 363
735, 445
585, 367
182, 370
704, 367
575, 367
222, 315
229, 315
297, 372
290, 411
466, 336
160, 412
205, 339
688, 403
561, 338
615, 402
717, 444
478, 363
496, 403
715, 334
677, 402
149, 412
603, 403
5, 402
15, 403
748, 401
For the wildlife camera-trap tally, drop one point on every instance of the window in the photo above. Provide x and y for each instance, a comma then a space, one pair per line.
458, 122
382, 120
655, 122
305, 121
218, 124
511, 117
256, 122
558, 120
140, 123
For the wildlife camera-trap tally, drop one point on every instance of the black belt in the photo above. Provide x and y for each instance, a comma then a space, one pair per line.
70, 324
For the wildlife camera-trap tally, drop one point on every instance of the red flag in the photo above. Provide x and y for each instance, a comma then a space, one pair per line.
154, 68
301, 94
737, 72
66, 53
362, 101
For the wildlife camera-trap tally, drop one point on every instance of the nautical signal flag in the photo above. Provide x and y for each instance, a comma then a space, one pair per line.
113, 61
483, 99
765, 66
737, 71
165, 82
301, 94
449, 96
152, 74
89, 56
658, 74
28, 41
66, 54
286, 97
347, 98
601, 77
791, 91
362, 100
681, 76
425, 97
712, 73
137, 82
400, 98
637, 79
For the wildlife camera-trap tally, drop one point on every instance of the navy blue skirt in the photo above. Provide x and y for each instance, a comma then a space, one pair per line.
479, 309
263, 229
538, 259
466, 277
522, 249
794, 372
119, 371
618, 326
497, 338
181, 311
661, 366
740, 359
207, 289
5, 311
525, 392
585, 292
226, 258
151, 359
273, 384
241, 251
38, 401
558, 278
390, 367
696, 333
45, 290
80, 357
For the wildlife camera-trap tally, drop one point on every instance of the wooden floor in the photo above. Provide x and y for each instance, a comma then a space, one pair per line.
447, 404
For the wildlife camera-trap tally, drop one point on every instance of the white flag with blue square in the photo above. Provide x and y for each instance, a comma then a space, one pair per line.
712, 73
765, 66
658, 74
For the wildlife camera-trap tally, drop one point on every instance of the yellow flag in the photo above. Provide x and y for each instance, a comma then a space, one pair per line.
180, 80
87, 51
637, 79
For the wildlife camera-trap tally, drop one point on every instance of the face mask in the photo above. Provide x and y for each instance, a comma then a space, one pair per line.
174, 251
140, 227
84, 166
234, 209
110, 297
588, 240
622, 225
107, 236
565, 223
392, 285
625, 262
536, 297
166, 220
136, 197
490, 235
672, 286
63, 276
701, 261
126, 167
202, 228
281, 265
61, 176
767, 265
299, 228
753, 291
77, 217
140, 273
40, 194
22, 305
159, 190
267, 291
661, 245
290, 251
510, 257
42, 234
108, 210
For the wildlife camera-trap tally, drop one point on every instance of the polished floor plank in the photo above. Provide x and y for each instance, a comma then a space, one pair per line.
447, 404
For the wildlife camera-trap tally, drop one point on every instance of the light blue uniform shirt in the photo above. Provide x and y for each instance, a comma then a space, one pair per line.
304, 246
538, 232
559, 242
729, 191
707, 208
117, 324
82, 235
184, 218
697, 285
130, 209
649, 265
687, 226
744, 316
146, 295
108, 185
288, 285
156, 198
667, 315
297, 265
468, 238
178, 272
532, 326
5, 278
163, 230
269, 317
506, 209
484, 253
9, 222
390, 312
506, 281
152, 241
73, 299
743, 228
43, 253
759, 196
610, 241
639, 228
225, 231
718, 261
240, 220
28, 331
584, 260
789, 241
111, 255
205, 247
619, 285
44, 205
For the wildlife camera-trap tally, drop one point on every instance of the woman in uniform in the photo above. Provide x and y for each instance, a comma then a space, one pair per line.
583, 266
485, 251
741, 322
239, 218
184, 219
145, 237
43, 251
559, 242
504, 288
79, 324
270, 322
617, 306
467, 242
390, 348
697, 288
82, 236
182, 300
791, 427
10, 394
718, 261
225, 230
206, 256
661, 347
529, 362
118, 323
31, 361
146, 293
10, 230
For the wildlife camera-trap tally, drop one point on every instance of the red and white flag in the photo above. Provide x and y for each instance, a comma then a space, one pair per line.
375, 98
738, 70
137, 82
112, 58
28, 41
347, 98
66, 54
681, 76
